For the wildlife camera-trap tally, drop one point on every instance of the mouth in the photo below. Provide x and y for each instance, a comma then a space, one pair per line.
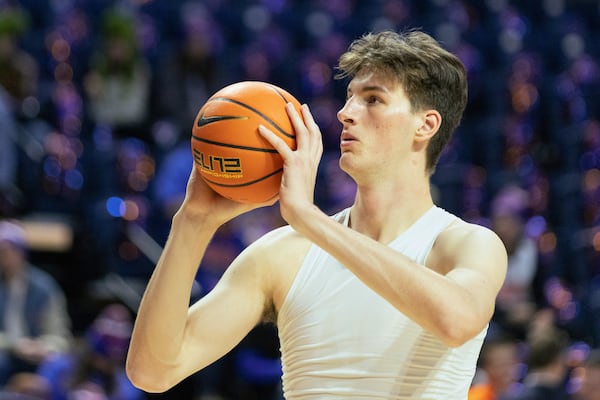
347, 138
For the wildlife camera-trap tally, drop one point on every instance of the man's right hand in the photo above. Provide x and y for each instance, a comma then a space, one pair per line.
202, 202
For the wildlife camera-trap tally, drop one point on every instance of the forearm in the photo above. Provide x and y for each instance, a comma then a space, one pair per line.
163, 312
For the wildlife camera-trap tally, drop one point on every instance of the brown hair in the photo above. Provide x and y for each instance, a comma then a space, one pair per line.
431, 76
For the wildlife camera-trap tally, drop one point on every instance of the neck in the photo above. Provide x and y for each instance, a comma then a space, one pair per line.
383, 213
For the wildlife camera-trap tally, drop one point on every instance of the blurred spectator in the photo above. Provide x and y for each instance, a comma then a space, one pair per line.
547, 363
8, 156
189, 74
498, 369
18, 69
26, 386
34, 322
96, 368
515, 303
590, 380
171, 179
533, 114
258, 365
119, 81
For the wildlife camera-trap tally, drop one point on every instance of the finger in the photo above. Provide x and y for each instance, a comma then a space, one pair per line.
278, 144
298, 124
309, 119
313, 129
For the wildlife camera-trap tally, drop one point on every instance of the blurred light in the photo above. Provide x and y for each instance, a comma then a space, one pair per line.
128, 251
450, 33
497, 5
256, 18
319, 75
30, 107
63, 73
569, 311
115, 206
526, 165
591, 180
60, 50
67, 159
510, 41
256, 65
51, 167
523, 97
596, 241
132, 211
74, 179
71, 124
164, 133
554, 8
572, 45
535, 226
146, 166
578, 352
318, 24
103, 139
383, 24
137, 181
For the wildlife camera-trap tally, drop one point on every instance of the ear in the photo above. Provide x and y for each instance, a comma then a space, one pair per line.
429, 127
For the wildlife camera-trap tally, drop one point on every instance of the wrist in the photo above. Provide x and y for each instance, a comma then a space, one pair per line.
202, 221
302, 218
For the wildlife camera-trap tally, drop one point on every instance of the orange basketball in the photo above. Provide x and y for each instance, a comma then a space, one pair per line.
229, 152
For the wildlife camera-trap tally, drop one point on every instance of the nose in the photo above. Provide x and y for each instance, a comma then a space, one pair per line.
344, 114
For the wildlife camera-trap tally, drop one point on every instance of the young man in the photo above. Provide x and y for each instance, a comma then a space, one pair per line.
390, 298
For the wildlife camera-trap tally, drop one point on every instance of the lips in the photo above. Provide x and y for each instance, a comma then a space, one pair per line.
346, 137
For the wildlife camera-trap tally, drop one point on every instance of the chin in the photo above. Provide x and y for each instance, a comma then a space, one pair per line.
346, 163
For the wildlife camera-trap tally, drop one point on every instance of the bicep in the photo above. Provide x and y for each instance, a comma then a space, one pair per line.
479, 267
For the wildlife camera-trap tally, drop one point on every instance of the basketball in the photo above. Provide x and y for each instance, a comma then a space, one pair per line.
229, 152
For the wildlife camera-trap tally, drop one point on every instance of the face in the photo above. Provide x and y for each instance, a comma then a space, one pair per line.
501, 365
11, 259
378, 127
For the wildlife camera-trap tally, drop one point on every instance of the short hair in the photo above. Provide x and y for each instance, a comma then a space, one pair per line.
547, 347
431, 76
493, 341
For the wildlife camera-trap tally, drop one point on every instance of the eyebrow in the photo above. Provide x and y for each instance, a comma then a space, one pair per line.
371, 88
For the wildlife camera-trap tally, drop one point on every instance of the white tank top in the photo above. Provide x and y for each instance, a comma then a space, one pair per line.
341, 340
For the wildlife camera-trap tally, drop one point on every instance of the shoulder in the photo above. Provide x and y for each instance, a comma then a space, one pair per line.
462, 232
41, 278
277, 242
464, 243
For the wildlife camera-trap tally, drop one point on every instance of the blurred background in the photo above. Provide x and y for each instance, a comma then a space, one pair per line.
97, 99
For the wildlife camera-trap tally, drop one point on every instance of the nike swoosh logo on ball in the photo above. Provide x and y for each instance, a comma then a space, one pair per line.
202, 120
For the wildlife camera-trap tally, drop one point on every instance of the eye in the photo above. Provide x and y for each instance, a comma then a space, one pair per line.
373, 99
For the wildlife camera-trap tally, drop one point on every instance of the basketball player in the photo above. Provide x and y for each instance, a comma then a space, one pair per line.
388, 299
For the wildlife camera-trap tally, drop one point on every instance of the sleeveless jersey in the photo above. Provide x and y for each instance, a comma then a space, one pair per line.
341, 340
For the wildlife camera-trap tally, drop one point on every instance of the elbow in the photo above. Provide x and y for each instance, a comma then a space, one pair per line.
145, 378
454, 334
454, 339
